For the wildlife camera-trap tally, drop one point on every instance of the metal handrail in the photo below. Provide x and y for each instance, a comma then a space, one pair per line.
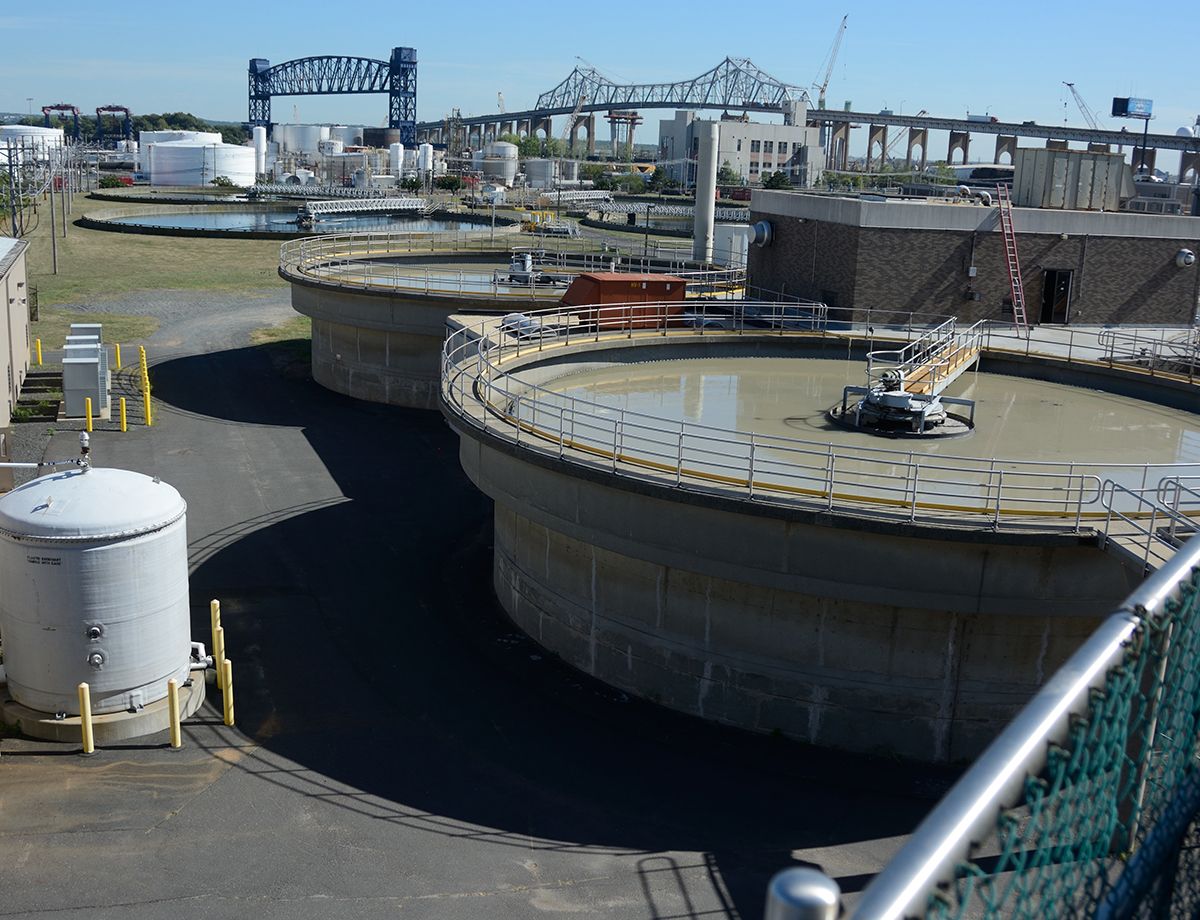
995, 781
760, 467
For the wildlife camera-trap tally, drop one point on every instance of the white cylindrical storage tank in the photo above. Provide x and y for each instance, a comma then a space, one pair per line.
185, 163
30, 142
307, 138
396, 159
94, 565
568, 170
148, 138
260, 149
540, 172
349, 135
425, 158
330, 147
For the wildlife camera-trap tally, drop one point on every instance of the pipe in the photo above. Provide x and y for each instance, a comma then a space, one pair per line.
706, 193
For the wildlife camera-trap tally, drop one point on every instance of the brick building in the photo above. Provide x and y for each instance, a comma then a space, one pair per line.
895, 256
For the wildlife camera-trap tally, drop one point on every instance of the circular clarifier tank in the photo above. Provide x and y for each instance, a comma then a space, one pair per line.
696, 531
1016, 418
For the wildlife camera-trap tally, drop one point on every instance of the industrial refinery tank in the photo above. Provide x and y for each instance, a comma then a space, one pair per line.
147, 138
30, 141
187, 163
500, 162
349, 135
307, 138
95, 575
540, 172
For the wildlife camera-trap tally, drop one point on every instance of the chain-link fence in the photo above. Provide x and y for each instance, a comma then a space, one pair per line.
1088, 804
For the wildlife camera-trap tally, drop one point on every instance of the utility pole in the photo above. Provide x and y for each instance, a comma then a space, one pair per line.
12, 190
53, 230
63, 191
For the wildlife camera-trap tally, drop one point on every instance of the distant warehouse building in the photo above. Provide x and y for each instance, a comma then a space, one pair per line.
872, 256
14, 332
752, 149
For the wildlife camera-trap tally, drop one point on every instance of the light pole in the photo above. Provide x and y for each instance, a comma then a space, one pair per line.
646, 233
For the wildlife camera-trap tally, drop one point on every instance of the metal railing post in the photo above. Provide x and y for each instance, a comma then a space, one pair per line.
750, 478
802, 893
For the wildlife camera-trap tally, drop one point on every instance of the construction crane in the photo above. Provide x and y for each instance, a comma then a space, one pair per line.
1088, 115
573, 118
829, 62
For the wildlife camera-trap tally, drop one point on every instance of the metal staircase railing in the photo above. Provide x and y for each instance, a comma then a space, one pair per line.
931, 362
1012, 259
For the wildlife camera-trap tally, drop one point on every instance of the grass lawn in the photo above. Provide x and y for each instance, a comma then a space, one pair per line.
298, 328
52, 327
98, 265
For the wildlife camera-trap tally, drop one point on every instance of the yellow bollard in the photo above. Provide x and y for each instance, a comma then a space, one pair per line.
37, 345
219, 655
124, 423
173, 705
214, 616
146, 407
117, 354
227, 689
87, 412
85, 718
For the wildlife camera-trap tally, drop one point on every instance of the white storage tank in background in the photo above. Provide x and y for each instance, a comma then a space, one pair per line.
396, 159
260, 149
425, 158
540, 172
349, 135
568, 170
307, 138
94, 565
30, 141
186, 163
146, 138
500, 162
330, 147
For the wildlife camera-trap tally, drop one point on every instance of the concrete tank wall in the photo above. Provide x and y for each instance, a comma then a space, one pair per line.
843, 633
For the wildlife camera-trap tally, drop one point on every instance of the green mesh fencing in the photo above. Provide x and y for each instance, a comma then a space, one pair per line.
1091, 813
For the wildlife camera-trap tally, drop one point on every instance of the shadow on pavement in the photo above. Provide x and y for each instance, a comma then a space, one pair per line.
371, 650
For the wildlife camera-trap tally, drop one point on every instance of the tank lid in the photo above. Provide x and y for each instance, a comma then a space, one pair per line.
92, 504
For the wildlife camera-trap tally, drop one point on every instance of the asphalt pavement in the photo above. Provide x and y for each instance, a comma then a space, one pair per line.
400, 748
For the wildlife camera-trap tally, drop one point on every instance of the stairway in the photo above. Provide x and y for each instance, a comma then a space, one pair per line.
41, 393
1012, 260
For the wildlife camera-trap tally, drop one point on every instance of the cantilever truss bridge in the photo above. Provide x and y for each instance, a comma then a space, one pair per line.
734, 84
330, 75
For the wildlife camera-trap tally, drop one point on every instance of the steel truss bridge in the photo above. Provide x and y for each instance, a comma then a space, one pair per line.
734, 84
330, 75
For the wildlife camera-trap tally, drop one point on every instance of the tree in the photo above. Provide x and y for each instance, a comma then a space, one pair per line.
727, 175
663, 181
411, 184
777, 179
449, 183
632, 183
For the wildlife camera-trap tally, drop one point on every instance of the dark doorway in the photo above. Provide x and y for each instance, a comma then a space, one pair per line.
1056, 295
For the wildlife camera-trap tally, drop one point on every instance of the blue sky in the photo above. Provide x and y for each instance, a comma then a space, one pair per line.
1007, 59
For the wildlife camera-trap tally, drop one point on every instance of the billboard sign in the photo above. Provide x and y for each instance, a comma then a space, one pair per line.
1130, 107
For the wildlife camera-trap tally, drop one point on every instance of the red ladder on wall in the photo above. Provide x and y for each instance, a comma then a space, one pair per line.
1012, 260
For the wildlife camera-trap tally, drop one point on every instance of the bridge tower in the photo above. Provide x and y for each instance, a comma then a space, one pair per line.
260, 93
402, 94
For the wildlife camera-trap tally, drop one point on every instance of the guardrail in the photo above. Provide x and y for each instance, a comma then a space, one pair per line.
362, 259
1081, 806
900, 484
